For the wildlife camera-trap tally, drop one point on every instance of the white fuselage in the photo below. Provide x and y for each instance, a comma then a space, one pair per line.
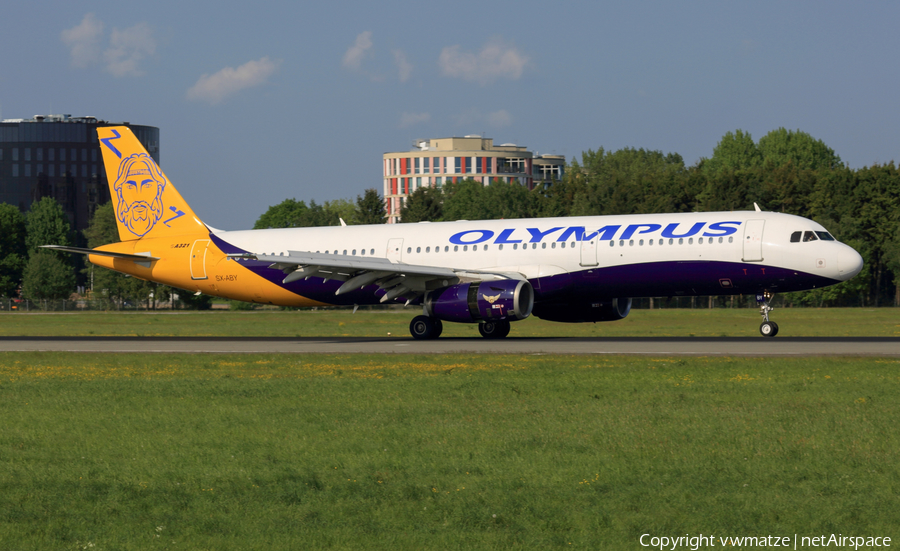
544, 247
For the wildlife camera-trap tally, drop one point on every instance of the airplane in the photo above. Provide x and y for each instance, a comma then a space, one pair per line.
489, 272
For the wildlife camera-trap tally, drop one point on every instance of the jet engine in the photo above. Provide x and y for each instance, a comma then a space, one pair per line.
608, 310
481, 301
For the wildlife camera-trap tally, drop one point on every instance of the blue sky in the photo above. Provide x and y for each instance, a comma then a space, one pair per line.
264, 101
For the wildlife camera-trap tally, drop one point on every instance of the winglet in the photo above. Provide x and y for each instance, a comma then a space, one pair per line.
756, 207
146, 203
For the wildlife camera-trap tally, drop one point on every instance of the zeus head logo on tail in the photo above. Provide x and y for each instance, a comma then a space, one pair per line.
139, 187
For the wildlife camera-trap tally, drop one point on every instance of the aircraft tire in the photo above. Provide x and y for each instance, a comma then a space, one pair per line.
494, 329
438, 328
768, 329
423, 328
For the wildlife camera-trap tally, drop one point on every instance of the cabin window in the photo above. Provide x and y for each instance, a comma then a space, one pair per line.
553, 245
484, 248
641, 242
427, 249
447, 248
720, 240
731, 239
612, 243
418, 249
465, 248
700, 241
621, 243
691, 241
501, 247
543, 245
455, 248
354, 252
362, 252
408, 249
631, 242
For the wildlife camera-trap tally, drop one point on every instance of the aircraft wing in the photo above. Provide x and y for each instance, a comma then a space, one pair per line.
395, 278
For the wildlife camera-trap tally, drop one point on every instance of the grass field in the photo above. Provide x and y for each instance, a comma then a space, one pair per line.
440, 452
883, 322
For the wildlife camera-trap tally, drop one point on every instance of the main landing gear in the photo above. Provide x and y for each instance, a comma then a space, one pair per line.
494, 329
425, 328
767, 328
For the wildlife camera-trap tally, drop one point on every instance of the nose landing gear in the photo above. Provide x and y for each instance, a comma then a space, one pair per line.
767, 328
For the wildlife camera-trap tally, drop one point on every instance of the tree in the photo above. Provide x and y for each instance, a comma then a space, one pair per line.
47, 274
735, 151
337, 210
627, 181
465, 200
12, 249
369, 208
291, 213
286, 214
47, 277
511, 200
423, 205
47, 224
781, 146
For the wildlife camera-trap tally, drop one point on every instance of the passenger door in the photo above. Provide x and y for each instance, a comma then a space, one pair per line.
198, 258
753, 234
395, 249
589, 252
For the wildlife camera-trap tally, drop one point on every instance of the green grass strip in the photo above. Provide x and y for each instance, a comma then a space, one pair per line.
720, 322
440, 452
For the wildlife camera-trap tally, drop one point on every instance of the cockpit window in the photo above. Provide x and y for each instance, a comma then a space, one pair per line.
809, 236
825, 236
795, 237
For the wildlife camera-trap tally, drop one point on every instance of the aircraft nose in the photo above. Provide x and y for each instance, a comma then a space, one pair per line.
849, 262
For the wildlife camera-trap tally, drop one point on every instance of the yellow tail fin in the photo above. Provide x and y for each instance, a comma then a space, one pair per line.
145, 201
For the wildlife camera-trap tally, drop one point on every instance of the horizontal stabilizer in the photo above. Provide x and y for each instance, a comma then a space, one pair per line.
79, 250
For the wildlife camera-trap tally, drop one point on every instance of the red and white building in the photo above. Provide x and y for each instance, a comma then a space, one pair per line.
435, 162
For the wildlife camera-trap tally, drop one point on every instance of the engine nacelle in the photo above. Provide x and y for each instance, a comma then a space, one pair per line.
608, 310
483, 301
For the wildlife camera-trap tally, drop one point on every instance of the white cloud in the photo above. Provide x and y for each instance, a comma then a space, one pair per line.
355, 54
410, 119
127, 48
495, 60
499, 118
403, 65
83, 41
215, 88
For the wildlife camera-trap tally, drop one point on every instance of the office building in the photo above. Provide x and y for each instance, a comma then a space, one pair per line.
437, 161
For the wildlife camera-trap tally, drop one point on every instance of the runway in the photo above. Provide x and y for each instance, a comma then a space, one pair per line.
677, 346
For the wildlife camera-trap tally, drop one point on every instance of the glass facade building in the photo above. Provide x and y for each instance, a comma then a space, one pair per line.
59, 156
435, 162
